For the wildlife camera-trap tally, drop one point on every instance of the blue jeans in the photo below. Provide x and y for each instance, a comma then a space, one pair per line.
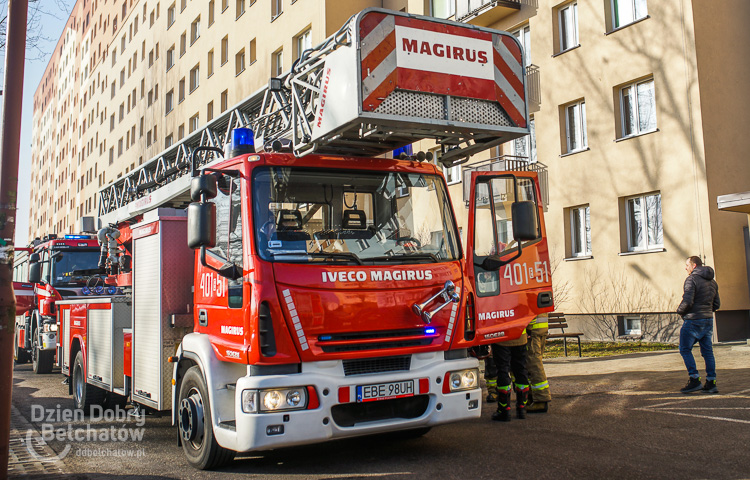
700, 331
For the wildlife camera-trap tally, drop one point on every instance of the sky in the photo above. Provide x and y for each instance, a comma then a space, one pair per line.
49, 19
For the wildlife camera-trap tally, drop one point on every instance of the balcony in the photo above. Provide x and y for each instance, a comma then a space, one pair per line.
485, 12
532, 88
507, 163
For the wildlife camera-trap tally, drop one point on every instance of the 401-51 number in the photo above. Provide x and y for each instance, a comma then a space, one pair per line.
212, 285
521, 273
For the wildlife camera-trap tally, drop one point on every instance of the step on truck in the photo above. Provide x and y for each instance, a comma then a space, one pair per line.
49, 270
290, 282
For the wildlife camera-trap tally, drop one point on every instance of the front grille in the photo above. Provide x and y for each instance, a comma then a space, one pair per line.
377, 365
376, 346
335, 337
351, 414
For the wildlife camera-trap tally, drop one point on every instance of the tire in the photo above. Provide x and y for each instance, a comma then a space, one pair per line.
41, 360
84, 395
194, 424
20, 355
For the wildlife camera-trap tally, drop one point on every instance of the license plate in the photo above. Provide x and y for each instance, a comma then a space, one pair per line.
385, 391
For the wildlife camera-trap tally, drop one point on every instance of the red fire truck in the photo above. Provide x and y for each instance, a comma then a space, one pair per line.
50, 270
329, 295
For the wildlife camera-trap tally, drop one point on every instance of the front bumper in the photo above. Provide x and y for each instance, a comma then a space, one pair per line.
262, 431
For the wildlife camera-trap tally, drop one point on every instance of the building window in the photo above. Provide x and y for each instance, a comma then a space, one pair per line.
211, 6
170, 101
171, 12
224, 5
632, 326
194, 77
575, 127
526, 146
523, 35
277, 8
252, 52
442, 8
580, 231
168, 141
170, 58
181, 91
644, 223
193, 123
225, 50
638, 108
150, 58
277, 63
150, 97
303, 42
210, 62
224, 101
183, 5
625, 12
183, 43
239, 62
195, 30
210, 111
240, 8
568, 26
181, 132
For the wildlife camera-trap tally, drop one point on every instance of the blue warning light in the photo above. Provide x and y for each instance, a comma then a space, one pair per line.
429, 331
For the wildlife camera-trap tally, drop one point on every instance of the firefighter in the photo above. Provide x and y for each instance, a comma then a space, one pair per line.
540, 395
510, 356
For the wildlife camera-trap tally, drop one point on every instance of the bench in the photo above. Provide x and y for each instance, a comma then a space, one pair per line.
557, 320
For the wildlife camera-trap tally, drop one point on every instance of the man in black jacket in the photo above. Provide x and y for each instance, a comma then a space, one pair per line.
699, 302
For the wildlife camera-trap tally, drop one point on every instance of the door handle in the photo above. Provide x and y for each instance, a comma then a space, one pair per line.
203, 318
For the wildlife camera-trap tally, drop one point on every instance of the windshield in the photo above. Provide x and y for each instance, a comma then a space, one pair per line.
73, 267
307, 215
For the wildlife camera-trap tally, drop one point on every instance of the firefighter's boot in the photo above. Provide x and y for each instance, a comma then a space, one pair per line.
522, 398
503, 405
491, 390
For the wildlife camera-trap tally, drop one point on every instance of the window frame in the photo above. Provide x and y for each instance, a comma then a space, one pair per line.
584, 233
615, 13
646, 246
633, 86
583, 138
560, 23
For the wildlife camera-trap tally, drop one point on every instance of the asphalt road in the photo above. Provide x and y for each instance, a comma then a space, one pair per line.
618, 417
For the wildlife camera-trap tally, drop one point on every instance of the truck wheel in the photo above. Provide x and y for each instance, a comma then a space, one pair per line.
41, 360
195, 428
20, 355
84, 395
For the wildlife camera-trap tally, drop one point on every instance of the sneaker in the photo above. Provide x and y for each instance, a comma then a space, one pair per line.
693, 385
710, 387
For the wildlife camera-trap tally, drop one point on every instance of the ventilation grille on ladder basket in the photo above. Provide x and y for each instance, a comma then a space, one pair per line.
427, 105
377, 365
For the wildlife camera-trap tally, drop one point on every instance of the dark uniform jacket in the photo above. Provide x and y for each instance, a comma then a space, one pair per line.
701, 297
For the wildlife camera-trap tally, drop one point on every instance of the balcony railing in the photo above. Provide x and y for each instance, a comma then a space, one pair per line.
467, 10
507, 163
532, 86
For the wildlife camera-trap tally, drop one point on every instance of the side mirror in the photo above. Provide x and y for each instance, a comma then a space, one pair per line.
203, 185
524, 221
34, 258
202, 223
35, 271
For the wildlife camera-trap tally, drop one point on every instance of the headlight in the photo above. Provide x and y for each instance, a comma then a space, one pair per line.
274, 399
49, 327
463, 380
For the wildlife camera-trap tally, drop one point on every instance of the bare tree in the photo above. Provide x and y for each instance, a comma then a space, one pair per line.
37, 41
561, 286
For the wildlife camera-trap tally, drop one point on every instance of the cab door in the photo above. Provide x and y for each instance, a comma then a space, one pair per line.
507, 257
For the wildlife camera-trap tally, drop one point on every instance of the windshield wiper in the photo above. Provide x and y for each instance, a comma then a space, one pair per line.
335, 255
405, 257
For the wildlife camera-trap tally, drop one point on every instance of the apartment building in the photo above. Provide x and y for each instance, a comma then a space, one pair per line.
637, 116
639, 113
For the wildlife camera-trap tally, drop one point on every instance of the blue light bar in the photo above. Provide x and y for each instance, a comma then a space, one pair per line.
77, 237
324, 338
99, 290
85, 291
429, 331
111, 290
406, 150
